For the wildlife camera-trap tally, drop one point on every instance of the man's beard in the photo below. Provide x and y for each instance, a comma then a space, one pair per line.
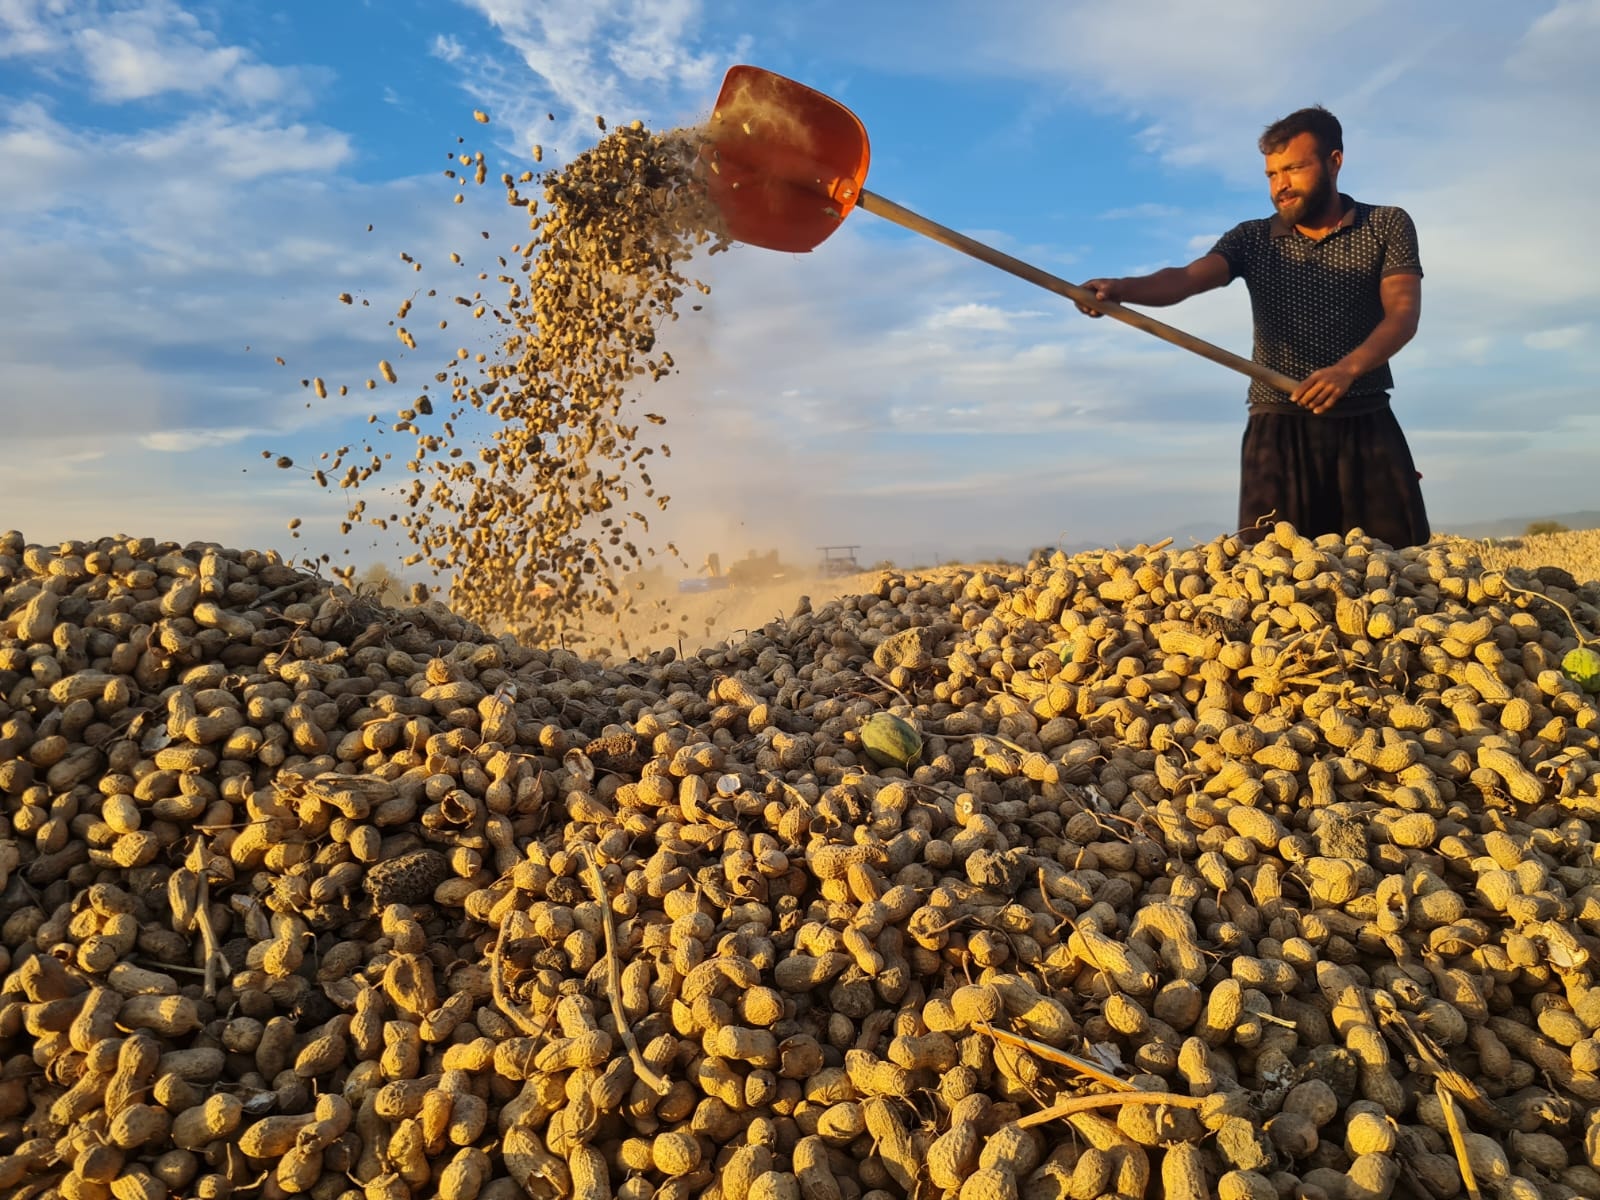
1295, 211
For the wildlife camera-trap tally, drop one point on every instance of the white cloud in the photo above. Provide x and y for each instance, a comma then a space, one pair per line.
181, 441
152, 275
135, 51
134, 65
589, 50
67, 462
973, 317
184, 164
28, 27
257, 84
1115, 50
447, 48
244, 149
614, 58
1561, 44
38, 147
1562, 338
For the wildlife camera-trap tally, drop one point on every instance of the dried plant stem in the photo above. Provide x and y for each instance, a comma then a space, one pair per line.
1565, 611
1079, 1104
502, 995
210, 946
614, 980
208, 939
1051, 1054
1457, 1140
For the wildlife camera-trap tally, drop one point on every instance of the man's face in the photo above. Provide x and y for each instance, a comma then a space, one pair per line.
1299, 179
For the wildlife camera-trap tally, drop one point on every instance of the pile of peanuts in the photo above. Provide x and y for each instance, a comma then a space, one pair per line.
1253, 871
529, 490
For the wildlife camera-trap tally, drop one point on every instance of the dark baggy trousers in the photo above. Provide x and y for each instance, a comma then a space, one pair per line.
1331, 474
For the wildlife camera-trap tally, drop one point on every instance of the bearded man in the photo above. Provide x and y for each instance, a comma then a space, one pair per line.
1336, 291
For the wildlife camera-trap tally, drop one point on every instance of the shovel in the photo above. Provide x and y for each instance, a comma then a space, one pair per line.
785, 167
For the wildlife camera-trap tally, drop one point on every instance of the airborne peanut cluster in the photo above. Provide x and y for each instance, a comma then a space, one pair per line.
530, 487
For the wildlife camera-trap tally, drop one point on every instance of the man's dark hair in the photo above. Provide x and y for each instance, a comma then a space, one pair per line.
1316, 120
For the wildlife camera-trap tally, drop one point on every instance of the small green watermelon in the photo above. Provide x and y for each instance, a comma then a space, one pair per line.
890, 741
1582, 666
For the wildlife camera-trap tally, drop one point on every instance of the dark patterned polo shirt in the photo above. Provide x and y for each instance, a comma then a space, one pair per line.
1315, 301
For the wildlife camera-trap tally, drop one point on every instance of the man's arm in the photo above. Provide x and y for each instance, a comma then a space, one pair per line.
1168, 286
1402, 307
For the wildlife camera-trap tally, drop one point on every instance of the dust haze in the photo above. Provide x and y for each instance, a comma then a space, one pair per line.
756, 105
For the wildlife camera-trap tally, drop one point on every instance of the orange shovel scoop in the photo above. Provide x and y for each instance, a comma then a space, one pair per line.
786, 164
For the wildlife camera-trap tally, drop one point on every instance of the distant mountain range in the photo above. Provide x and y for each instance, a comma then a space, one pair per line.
1516, 526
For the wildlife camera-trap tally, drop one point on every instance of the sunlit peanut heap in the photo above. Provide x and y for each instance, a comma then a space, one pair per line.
535, 509
1270, 871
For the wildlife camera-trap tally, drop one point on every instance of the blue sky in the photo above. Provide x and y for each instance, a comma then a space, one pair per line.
181, 181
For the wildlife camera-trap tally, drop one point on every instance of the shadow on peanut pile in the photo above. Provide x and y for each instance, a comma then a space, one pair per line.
1250, 871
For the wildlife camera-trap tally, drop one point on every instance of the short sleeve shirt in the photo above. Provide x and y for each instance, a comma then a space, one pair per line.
1315, 301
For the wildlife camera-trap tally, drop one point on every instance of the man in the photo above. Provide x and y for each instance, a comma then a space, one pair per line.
1336, 290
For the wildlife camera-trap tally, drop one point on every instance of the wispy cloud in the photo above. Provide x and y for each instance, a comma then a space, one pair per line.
1562, 338
591, 52
447, 48
588, 58
181, 441
27, 28
980, 318
1561, 44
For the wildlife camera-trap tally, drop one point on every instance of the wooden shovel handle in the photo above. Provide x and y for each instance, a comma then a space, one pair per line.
891, 211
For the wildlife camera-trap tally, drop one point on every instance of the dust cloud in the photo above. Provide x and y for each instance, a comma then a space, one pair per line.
756, 106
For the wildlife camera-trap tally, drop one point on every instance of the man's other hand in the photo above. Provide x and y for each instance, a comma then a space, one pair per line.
1321, 390
1103, 289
